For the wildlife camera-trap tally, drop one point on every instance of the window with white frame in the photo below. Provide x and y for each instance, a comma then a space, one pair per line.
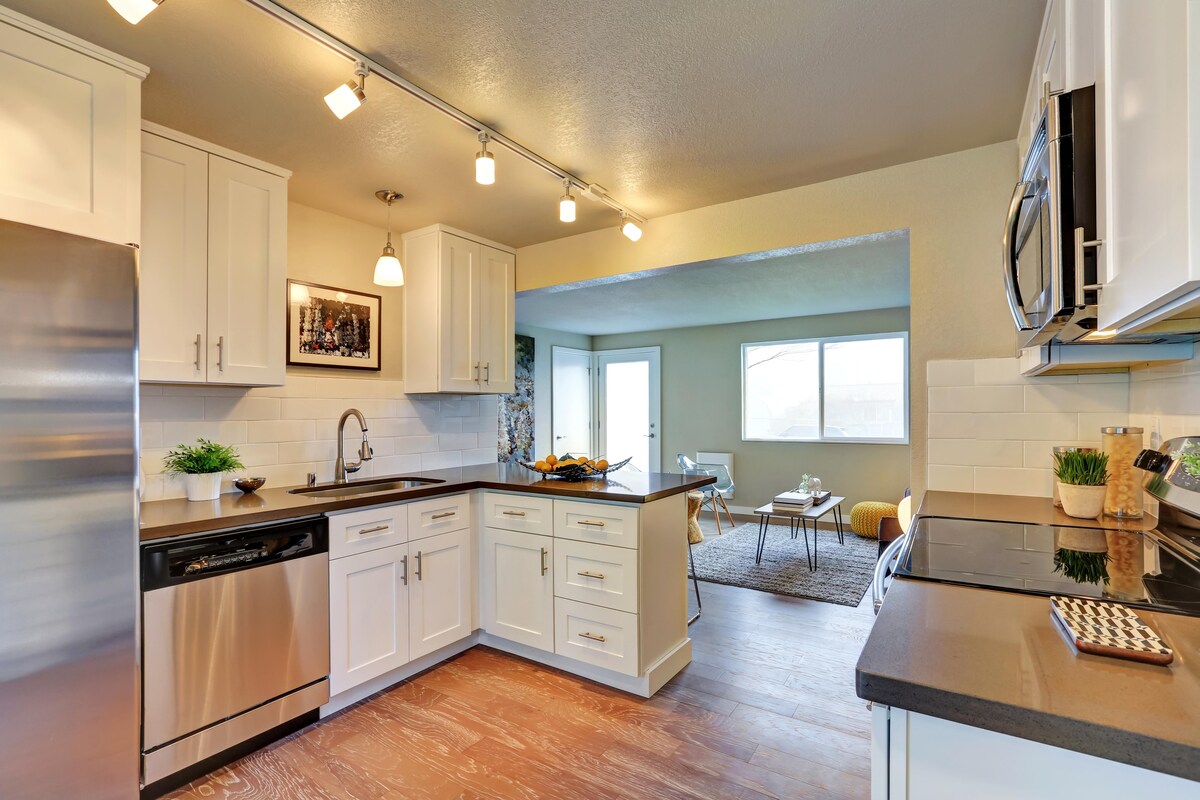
845, 388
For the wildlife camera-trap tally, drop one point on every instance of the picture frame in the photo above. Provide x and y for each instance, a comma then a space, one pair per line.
333, 328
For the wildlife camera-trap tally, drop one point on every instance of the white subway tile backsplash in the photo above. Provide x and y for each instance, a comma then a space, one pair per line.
950, 373
951, 479
1039, 426
1021, 481
441, 460
1095, 397
281, 430
976, 452
415, 444
241, 408
951, 426
457, 441
188, 432
156, 408
976, 398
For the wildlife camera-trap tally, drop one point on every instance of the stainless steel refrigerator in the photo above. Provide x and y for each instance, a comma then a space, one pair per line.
68, 516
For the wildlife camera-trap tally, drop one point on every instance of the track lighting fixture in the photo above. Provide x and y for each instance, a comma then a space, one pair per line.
350, 95
388, 271
134, 11
630, 228
566, 204
485, 165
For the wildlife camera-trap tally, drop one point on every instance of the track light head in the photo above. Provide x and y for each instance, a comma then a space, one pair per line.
134, 11
350, 95
566, 204
388, 271
485, 164
630, 228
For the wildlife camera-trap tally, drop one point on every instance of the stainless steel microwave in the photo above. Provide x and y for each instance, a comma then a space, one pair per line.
1050, 233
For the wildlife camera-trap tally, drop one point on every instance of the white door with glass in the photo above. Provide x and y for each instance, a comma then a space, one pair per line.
628, 400
571, 402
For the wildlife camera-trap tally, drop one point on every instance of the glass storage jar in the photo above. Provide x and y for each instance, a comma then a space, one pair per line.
1059, 450
1124, 495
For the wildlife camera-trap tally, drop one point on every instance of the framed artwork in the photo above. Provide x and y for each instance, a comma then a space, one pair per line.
330, 327
516, 409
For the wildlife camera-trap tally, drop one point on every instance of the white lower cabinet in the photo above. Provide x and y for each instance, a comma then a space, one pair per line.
368, 616
439, 591
595, 635
516, 595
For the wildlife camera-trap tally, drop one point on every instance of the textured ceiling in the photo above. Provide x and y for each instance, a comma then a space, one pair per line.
829, 278
669, 105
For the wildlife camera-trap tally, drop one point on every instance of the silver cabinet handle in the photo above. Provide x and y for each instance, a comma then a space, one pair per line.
220, 354
487, 372
545, 566
443, 515
586, 574
197, 352
1081, 285
418, 565
376, 529
404, 569
595, 637
591, 523
477, 372
513, 513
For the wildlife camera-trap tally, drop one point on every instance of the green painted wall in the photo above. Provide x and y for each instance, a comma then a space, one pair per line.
701, 409
544, 340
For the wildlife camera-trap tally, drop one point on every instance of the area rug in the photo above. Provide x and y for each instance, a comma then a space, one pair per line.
843, 573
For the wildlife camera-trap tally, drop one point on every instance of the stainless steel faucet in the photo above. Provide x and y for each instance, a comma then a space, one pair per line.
365, 454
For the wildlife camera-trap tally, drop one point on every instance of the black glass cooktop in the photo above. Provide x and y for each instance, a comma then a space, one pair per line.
1140, 569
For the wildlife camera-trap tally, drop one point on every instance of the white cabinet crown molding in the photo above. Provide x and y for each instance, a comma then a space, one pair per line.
438, 227
38, 28
215, 149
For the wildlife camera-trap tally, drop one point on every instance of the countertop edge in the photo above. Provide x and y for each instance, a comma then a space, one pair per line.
1089, 738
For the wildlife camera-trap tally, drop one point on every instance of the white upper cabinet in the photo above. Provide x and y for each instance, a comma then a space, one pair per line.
70, 117
1065, 60
213, 264
1148, 152
458, 313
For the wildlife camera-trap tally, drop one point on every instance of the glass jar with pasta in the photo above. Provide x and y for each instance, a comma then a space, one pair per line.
1124, 495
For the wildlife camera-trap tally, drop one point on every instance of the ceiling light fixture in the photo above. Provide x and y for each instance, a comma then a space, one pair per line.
630, 228
388, 271
566, 204
134, 11
350, 95
485, 164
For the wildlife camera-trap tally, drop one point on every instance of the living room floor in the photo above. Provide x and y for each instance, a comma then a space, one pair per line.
766, 709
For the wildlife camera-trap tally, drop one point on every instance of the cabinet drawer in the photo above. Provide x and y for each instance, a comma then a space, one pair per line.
367, 529
596, 522
595, 635
518, 512
439, 515
597, 574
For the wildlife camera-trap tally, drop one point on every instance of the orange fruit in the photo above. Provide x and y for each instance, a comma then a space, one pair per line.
542, 466
552, 459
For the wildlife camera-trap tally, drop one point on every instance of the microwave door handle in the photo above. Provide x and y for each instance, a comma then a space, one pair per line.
1020, 194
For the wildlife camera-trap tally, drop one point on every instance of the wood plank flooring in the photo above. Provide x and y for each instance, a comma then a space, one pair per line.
765, 710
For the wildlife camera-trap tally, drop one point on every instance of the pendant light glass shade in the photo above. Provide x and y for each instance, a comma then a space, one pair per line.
485, 165
134, 11
566, 205
388, 271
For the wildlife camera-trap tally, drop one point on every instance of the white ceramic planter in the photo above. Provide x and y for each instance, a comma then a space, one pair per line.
1082, 502
204, 486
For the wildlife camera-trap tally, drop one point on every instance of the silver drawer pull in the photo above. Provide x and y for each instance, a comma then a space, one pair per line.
418, 566
587, 574
591, 523
514, 513
376, 529
595, 637
443, 515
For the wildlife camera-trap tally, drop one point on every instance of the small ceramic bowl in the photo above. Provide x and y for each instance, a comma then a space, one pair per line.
248, 485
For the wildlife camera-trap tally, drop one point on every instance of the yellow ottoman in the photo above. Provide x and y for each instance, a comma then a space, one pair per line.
865, 516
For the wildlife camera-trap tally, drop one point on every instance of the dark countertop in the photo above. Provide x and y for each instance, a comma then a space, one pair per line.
995, 660
1013, 508
164, 518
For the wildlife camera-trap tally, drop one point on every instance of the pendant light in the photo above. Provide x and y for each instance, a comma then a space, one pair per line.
134, 11
350, 95
485, 165
388, 271
566, 204
630, 228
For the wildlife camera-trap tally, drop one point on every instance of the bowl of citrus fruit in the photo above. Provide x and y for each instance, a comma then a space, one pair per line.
573, 468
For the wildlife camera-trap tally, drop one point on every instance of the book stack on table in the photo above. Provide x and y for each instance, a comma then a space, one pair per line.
798, 501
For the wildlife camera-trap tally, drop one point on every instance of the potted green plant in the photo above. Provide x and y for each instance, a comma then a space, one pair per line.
1082, 478
202, 466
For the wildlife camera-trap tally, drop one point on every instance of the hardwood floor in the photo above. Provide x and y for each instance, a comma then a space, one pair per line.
766, 709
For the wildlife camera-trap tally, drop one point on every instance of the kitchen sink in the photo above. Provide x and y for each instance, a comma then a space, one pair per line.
374, 486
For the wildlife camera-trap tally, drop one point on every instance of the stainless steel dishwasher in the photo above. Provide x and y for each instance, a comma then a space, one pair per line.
235, 642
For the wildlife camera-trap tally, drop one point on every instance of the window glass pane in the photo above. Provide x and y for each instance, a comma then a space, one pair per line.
864, 389
781, 391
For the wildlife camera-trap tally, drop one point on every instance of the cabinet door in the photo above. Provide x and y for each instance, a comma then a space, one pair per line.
497, 292
247, 274
517, 587
69, 125
173, 263
439, 591
1145, 142
459, 368
368, 616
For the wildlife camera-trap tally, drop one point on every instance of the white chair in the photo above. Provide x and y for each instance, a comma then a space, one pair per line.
714, 493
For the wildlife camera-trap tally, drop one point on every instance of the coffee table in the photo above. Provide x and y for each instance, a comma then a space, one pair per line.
798, 520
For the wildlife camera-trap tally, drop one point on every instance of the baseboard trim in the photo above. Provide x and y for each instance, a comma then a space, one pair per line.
390, 679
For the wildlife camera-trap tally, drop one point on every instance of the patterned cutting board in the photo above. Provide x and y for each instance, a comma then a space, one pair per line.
1109, 629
